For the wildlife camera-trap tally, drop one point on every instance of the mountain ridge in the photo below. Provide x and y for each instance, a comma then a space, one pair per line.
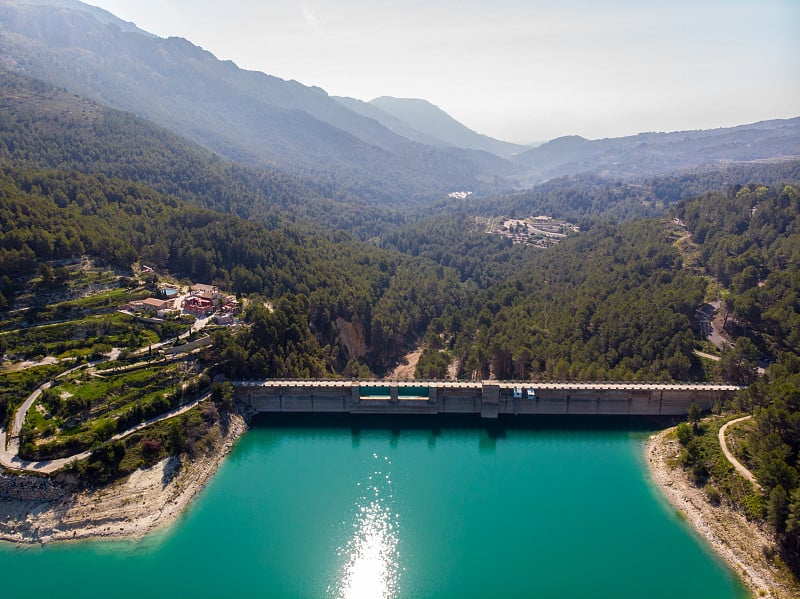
350, 147
656, 152
244, 115
423, 115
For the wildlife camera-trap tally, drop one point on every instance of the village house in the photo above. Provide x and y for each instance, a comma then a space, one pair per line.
199, 306
230, 304
224, 319
152, 305
209, 292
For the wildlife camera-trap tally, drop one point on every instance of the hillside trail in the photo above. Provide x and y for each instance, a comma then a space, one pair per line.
740, 468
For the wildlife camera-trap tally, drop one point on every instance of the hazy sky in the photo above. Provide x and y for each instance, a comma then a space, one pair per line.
521, 70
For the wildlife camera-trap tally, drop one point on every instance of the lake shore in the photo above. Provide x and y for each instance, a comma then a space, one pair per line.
145, 501
740, 542
153, 499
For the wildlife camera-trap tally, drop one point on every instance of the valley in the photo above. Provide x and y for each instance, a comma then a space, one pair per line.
171, 224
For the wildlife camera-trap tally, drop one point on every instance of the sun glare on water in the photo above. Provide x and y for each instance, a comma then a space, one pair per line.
370, 558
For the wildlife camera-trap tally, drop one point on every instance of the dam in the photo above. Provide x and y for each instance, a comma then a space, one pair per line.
487, 398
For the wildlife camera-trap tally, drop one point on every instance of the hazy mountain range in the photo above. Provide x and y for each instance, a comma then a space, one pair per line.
387, 151
421, 121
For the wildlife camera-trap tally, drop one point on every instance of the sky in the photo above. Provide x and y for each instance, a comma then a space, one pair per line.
519, 70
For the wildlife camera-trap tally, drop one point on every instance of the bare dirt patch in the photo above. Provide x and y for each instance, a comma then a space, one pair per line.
408, 365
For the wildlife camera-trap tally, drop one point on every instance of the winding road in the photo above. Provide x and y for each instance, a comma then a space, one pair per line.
9, 457
9, 440
740, 468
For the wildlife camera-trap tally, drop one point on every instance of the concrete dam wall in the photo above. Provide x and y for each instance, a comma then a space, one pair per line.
487, 398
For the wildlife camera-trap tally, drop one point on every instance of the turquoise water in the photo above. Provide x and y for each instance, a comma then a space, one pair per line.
405, 508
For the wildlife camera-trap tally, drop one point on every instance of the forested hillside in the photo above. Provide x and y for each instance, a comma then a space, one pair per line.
749, 240
610, 304
455, 238
384, 299
245, 116
584, 198
615, 302
43, 127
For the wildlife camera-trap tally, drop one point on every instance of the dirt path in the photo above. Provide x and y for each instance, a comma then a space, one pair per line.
49, 360
731, 458
739, 542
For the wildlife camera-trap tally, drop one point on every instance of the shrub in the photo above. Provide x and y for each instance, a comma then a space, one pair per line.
753, 506
151, 448
685, 434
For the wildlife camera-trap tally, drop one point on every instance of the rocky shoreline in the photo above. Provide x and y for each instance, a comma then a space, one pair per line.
36, 509
741, 543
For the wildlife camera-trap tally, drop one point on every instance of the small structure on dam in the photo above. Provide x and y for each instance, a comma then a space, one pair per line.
487, 398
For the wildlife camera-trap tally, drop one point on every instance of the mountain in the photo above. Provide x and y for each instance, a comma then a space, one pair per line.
392, 123
423, 122
245, 116
390, 152
653, 153
44, 127
421, 115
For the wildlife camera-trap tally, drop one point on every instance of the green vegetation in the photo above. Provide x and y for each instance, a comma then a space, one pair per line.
16, 385
455, 239
84, 409
748, 240
100, 303
612, 303
196, 432
86, 192
90, 337
389, 297
432, 364
586, 197
704, 459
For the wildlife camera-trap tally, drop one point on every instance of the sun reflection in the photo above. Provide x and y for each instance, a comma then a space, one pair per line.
370, 559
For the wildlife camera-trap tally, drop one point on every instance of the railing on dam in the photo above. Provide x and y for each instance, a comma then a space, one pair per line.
487, 398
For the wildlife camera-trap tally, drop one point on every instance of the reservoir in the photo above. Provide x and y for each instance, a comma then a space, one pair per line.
417, 507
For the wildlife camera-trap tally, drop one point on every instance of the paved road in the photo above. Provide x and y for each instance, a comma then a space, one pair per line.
9, 454
578, 386
9, 441
9, 458
736, 463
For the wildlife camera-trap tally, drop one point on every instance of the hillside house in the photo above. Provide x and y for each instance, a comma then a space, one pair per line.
199, 306
209, 292
151, 305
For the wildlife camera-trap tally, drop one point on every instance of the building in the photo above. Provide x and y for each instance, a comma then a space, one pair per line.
150, 305
199, 306
224, 319
209, 292
230, 304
